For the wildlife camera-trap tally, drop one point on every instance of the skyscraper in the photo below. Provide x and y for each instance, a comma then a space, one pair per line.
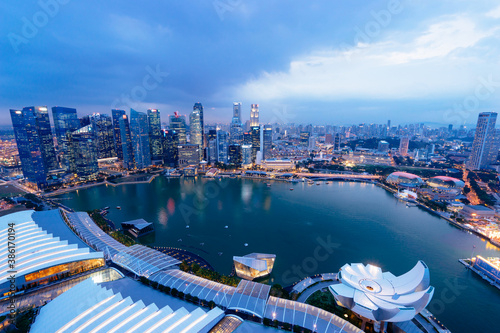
139, 131
484, 147
246, 154
125, 140
178, 124
170, 150
65, 122
102, 129
254, 115
403, 145
45, 135
222, 146
234, 155
199, 107
117, 115
155, 134
29, 146
255, 135
267, 141
189, 154
196, 136
83, 152
237, 112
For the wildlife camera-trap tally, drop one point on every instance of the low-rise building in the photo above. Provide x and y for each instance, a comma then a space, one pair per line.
475, 212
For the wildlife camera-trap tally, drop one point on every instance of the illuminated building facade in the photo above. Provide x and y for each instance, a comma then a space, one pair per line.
484, 146
178, 124
103, 135
254, 265
139, 131
155, 135
83, 152
254, 115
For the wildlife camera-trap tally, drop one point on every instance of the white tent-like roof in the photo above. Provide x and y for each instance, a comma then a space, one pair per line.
88, 307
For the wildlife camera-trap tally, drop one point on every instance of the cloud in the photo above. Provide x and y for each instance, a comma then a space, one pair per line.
434, 62
495, 13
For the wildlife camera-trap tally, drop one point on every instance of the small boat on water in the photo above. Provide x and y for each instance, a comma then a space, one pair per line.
291, 188
187, 227
268, 184
246, 244
225, 227
118, 207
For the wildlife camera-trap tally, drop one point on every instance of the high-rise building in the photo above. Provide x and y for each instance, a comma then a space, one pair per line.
45, 135
255, 134
117, 115
222, 146
178, 124
247, 138
403, 145
234, 155
236, 133
196, 134
304, 138
189, 154
102, 128
139, 131
237, 112
383, 146
267, 141
254, 115
83, 152
65, 122
199, 107
328, 139
246, 154
29, 146
484, 146
155, 134
338, 141
84, 121
170, 150
126, 148
212, 151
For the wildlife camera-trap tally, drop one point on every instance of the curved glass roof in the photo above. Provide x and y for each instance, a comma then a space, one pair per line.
143, 261
35, 248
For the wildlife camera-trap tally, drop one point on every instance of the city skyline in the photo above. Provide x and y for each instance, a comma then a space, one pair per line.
389, 59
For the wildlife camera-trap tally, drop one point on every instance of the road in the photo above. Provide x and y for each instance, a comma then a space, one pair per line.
309, 291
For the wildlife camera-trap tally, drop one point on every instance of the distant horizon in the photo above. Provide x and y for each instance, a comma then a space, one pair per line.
321, 62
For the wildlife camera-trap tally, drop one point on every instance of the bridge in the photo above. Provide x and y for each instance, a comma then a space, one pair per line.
328, 176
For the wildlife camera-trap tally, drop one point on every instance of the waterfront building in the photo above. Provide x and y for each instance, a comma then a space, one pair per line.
102, 127
155, 134
139, 131
403, 146
196, 133
138, 228
34, 143
381, 296
254, 115
198, 107
101, 309
178, 124
445, 182
489, 267
116, 115
234, 155
278, 164
65, 122
476, 212
399, 178
46, 250
83, 153
254, 265
383, 146
246, 154
189, 154
267, 141
222, 146
485, 146
255, 135
125, 147
170, 141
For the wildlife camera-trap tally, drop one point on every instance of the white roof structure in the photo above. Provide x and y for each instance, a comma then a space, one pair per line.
254, 265
250, 297
195, 286
144, 261
93, 235
35, 249
307, 316
382, 296
88, 307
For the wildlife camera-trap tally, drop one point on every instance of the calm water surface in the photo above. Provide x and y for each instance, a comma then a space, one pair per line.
313, 229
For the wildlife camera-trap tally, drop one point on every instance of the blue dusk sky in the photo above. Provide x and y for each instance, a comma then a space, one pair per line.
319, 62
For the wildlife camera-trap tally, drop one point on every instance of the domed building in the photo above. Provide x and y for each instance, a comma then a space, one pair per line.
445, 182
404, 179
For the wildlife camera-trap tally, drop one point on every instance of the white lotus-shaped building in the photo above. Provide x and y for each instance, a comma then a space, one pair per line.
382, 296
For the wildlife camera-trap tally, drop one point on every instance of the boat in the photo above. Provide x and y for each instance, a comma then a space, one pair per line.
269, 185
106, 208
220, 253
187, 227
318, 184
118, 207
225, 227
291, 188
246, 244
